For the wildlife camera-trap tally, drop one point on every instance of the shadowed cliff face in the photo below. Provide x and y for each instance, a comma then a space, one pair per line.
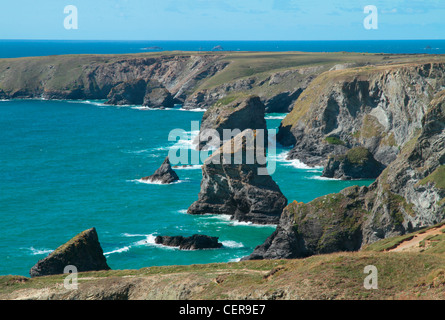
379, 108
407, 196
235, 186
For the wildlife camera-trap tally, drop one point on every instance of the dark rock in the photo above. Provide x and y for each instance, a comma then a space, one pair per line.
83, 251
157, 96
240, 114
195, 242
245, 191
328, 224
357, 163
127, 93
282, 102
165, 174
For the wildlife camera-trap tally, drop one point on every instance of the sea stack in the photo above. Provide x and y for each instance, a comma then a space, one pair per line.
230, 114
83, 251
165, 174
245, 191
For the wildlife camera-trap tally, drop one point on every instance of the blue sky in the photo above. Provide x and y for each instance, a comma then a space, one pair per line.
222, 19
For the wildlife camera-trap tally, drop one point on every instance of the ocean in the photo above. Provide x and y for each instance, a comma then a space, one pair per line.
24, 48
67, 166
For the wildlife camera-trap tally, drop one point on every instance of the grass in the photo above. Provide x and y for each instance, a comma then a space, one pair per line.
437, 177
332, 276
334, 140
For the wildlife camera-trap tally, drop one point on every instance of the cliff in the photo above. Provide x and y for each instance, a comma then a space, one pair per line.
379, 108
407, 196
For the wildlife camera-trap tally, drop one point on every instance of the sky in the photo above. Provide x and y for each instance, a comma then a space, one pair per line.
222, 19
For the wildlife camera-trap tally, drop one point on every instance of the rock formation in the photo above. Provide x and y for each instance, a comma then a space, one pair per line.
377, 107
240, 114
157, 96
357, 163
129, 92
195, 242
164, 174
407, 196
239, 186
83, 251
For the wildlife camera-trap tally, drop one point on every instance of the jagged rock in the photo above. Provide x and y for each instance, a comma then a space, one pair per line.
357, 163
407, 196
157, 96
327, 224
195, 242
129, 92
245, 191
165, 174
83, 251
378, 108
240, 114
282, 102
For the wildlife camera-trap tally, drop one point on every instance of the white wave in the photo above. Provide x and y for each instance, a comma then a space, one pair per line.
4, 100
235, 260
124, 249
158, 182
323, 178
251, 224
274, 117
188, 167
193, 110
183, 211
35, 251
282, 157
232, 244
226, 218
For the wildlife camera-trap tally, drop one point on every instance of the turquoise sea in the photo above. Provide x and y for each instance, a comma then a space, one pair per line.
66, 166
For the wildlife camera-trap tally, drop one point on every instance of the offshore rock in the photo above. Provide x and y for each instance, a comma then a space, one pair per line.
240, 114
165, 174
245, 191
127, 93
83, 251
195, 242
357, 163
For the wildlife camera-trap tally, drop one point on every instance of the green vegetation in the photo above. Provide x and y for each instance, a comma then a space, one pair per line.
358, 155
437, 177
334, 140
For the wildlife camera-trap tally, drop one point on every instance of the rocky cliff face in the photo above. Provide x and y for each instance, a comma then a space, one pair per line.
241, 114
94, 76
83, 251
407, 196
237, 185
379, 108
357, 163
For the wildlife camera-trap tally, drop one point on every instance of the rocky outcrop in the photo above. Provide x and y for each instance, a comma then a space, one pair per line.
357, 163
157, 96
195, 242
165, 174
83, 251
377, 107
235, 182
407, 196
282, 102
129, 92
149, 93
240, 114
